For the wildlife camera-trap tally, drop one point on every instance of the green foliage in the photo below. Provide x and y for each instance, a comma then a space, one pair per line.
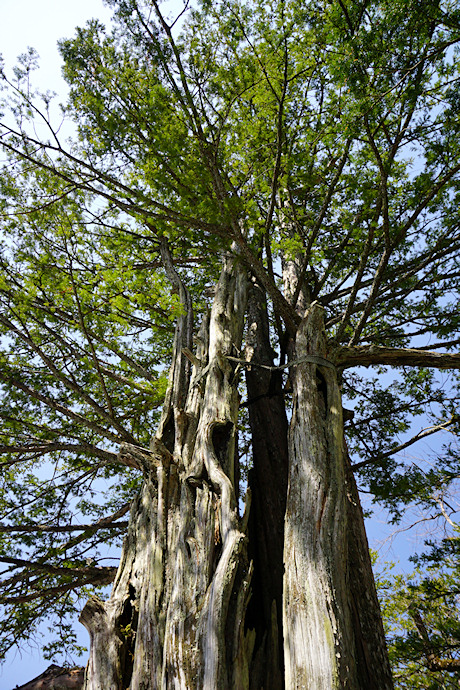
422, 622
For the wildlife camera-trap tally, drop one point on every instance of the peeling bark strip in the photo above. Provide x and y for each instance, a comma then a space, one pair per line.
324, 623
175, 615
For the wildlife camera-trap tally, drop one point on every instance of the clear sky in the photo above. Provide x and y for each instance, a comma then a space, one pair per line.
40, 24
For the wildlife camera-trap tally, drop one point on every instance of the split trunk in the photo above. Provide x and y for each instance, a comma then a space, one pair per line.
213, 595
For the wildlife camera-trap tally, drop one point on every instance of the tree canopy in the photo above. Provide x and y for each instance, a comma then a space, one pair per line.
317, 143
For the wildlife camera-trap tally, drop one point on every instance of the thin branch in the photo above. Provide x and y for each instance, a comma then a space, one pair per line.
428, 431
80, 419
104, 577
109, 522
68, 383
52, 569
317, 226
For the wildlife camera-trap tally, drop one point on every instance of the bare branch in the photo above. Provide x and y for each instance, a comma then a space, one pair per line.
104, 576
422, 434
54, 569
108, 522
60, 528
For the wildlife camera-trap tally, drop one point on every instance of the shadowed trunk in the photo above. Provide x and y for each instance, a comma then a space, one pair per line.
268, 483
370, 646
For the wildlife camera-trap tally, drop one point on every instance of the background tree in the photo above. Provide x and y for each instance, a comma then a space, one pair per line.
420, 611
246, 175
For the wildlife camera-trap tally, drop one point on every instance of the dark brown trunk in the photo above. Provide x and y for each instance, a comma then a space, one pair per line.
374, 671
268, 484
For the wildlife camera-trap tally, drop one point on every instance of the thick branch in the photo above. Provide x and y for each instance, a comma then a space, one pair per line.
364, 356
43, 447
179, 374
281, 305
61, 528
137, 457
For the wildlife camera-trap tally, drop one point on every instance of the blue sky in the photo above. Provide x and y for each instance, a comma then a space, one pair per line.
40, 24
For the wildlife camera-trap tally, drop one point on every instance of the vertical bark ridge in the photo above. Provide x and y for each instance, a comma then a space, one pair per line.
333, 631
318, 638
179, 373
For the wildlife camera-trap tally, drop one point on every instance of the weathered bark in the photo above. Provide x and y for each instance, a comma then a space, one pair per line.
192, 605
175, 618
268, 484
325, 620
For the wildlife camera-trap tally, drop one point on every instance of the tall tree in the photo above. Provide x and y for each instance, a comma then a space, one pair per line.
248, 174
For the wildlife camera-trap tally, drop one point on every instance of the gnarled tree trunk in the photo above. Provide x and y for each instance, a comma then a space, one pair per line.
193, 605
175, 618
